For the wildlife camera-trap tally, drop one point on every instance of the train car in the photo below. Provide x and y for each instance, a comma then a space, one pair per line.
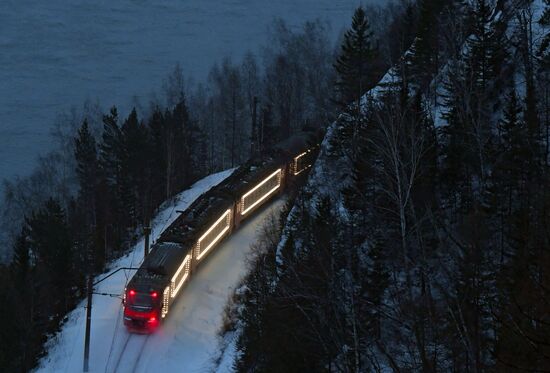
188, 241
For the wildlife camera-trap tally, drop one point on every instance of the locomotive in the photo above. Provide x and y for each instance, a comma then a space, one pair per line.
185, 244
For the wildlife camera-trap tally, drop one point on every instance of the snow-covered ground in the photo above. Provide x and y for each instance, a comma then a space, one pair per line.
55, 54
187, 342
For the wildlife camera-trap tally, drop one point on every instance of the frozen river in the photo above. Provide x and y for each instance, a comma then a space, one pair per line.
56, 54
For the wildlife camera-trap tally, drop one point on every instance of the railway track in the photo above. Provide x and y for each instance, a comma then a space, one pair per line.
130, 354
140, 354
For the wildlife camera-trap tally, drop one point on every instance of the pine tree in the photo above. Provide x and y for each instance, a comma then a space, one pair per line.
525, 48
425, 59
51, 242
544, 78
522, 338
89, 198
514, 136
359, 195
354, 65
268, 132
471, 286
111, 149
135, 174
461, 147
13, 354
184, 135
375, 284
509, 167
157, 130
484, 58
21, 263
87, 169
111, 157
544, 49
22, 306
481, 46
406, 31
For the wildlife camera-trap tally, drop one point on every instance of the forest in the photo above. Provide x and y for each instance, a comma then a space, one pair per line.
421, 240
90, 199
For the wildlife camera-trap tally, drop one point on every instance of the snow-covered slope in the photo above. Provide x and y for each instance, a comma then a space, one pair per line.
65, 350
57, 53
188, 340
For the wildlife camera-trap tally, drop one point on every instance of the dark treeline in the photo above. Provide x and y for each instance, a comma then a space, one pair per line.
122, 177
431, 251
88, 201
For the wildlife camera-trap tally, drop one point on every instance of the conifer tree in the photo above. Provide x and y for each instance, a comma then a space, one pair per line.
23, 308
157, 129
459, 149
111, 157
186, 141
510, 165
50, 239
21, 263
407, 30
525, 47
376, 281
89, 199
544, 49
13, 353
268, 131
426, 49
514, 138
111, 149
481, 47
484, 58
134, 168
87, 170
354, 65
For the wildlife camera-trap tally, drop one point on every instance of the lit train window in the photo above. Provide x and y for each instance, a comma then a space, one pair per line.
181, 275
301, 162
213, 234
165, 296
261, 191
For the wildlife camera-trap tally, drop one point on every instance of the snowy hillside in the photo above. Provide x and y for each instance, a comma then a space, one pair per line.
56, 54
188, 340
419, 241
65, 350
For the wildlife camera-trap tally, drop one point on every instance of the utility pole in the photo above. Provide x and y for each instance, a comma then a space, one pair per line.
261, 131
88, 313
146, 233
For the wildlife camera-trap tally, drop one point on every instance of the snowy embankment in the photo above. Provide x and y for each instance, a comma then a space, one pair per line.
188, 340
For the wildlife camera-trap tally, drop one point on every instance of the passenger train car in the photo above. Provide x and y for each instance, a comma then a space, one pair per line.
196, 233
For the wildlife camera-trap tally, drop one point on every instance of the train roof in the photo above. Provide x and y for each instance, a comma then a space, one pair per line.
159, 265
179, 238
186, 229
256, 169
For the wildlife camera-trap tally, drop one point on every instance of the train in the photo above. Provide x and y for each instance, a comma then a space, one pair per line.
186, 243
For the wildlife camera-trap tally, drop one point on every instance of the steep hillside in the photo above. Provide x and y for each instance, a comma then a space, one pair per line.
420, 240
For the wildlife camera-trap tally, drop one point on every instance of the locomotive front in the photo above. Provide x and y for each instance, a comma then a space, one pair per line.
142, 308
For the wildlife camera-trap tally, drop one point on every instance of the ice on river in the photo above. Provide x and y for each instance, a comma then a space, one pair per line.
56, 54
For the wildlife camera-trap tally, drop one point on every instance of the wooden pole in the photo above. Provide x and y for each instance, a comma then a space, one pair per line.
88, 324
